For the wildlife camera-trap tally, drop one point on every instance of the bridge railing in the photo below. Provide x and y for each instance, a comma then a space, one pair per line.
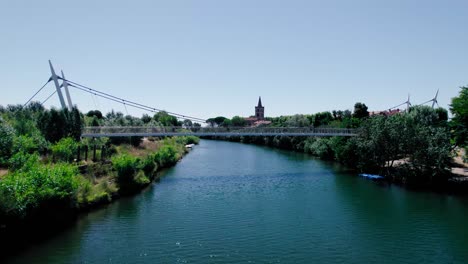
217, 130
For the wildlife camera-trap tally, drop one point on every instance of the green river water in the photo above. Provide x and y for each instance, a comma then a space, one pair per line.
234, 203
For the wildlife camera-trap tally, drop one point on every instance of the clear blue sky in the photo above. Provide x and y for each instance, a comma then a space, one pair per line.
209, 58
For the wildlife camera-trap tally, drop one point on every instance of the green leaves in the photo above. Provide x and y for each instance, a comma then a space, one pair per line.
7, 135
65, 149
419, 137
27, 190
459, 122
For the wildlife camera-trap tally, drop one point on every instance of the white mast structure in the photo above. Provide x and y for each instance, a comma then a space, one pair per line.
57, 86
67, 93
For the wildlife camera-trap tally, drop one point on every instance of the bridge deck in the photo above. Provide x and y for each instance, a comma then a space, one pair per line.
203, 131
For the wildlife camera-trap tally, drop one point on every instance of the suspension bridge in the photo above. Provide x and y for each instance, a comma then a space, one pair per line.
95, 132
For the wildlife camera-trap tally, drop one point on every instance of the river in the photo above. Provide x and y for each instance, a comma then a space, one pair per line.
234, 203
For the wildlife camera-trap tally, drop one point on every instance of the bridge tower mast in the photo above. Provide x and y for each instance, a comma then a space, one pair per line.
67, 93
57, 86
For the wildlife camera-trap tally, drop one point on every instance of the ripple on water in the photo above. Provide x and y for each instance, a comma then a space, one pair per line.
234, 203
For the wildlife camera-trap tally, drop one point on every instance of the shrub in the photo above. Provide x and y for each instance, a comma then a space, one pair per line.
65, 149
148, 165
24, 191
192, 140
166, 156
31, 143
7, 135
126, 167
141, 179
23, 161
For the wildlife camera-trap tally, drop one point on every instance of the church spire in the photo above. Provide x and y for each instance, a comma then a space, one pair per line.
259, 101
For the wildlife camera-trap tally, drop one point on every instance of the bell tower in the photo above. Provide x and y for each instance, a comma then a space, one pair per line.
260, 110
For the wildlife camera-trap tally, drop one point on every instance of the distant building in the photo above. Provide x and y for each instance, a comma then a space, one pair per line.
389, 112
259, 118
260, 110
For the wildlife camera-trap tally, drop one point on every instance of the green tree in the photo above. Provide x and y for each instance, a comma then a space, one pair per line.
297, 121
216, 121
360, 110
188, 123
146, 118
65, 149
95, 113
226, 123
322, 119
165, 119
7, 135
57, 124
238, 121
459, 122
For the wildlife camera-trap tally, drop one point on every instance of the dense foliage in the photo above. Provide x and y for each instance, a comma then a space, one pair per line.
25, 191
39, 148
7, 135
459, 122
411, 147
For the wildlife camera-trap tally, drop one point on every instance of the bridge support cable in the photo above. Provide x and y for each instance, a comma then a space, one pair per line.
52, 94
40, 89
128, 102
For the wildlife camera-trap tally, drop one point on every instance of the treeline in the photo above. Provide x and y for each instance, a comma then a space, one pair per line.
414, 147
336, 118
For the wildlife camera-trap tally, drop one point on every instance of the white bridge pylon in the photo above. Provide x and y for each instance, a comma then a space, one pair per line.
58, 87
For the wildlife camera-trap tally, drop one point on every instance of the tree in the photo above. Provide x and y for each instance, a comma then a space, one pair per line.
459, 122
226, 123
216, 121
7, 135
322, 119
165, 119
146, 118
35, 106
52, 124
417, 137
238, 121
187, 123
360, 110
57, 124
297, 121
95, 113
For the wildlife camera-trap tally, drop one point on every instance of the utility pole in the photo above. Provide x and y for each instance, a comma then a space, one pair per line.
57, 86
67, 93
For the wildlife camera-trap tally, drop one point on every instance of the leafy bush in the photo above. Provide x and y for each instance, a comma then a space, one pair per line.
148, 165
42, 185
65, 149
321, 148
30, 144
192, 140
23, 161
7, 135
166, 156
126, 167
141, 179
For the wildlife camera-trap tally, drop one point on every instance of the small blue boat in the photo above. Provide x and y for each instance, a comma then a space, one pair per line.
372, 176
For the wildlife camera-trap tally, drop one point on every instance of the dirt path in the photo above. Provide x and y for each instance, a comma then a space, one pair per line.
3, 172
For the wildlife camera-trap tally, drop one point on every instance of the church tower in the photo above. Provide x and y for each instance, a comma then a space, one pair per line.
260, 110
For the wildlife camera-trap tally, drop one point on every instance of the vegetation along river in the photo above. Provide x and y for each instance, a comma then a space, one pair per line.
233, 203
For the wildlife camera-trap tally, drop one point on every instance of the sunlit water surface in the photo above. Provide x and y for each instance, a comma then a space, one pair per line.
234, 203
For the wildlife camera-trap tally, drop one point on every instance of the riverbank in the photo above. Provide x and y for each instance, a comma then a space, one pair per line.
450, 183
127, 172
